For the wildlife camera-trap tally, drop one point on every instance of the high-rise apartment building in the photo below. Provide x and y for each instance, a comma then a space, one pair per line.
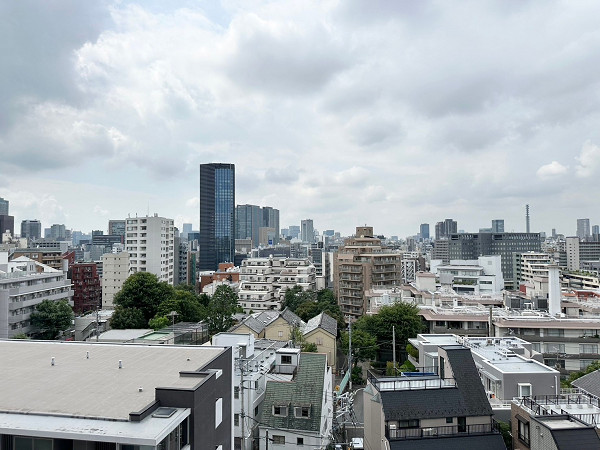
361, 264
217, 215
498, 226
31, 229
87, 291
307, 231
115, 270
116, 227
424, 231
445, 228
3, 207
583, 228
150, 243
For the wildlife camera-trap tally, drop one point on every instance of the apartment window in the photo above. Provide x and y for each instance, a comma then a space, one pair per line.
524, 390
236, 419
414, 423
449, 419
302, 412
523, 432
555, 332
588, 348
278, 439
555, 348
299, 441
286, 359
236, 392
584, 363
280, 333
218, 412
280, 410
27, 443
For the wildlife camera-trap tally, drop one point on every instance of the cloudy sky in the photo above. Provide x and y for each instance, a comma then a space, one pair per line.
390, 113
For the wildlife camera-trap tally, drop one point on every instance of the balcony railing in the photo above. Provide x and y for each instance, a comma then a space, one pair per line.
434, 432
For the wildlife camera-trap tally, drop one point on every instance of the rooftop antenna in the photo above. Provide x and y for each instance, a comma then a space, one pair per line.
527, 218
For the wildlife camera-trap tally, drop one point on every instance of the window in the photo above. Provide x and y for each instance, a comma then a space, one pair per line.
414, 423
27, 443
299, 441
278, 439
236, 419
280, 333
218, 412
286, 359
302, 412
523, 432
319, 341
236, 392
462, 424
280, 410
588, 348
449, 419
584, 363
524, 390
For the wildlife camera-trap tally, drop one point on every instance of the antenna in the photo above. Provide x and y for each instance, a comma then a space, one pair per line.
527, 218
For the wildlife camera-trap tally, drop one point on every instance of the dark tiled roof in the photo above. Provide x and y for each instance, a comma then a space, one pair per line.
324, 321
290, 317
576, 438
487, 442
251, 323
305, 389
589, 383
466, 399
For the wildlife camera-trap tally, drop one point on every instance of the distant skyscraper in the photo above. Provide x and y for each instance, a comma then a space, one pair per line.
527, 223
7, 223
31, 229
596, 232
270, 219
248, 220
498, 226
58, 232
294, 231
116, 227
445, 228
3, 207
217, 215
583, 228
307, 231
424, 231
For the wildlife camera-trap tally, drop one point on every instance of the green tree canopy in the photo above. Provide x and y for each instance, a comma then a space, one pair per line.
125, 318
575, 375
364, 345
295, 296
143, 291
309, 304
223, 304
52, 317
186, 304
159, 322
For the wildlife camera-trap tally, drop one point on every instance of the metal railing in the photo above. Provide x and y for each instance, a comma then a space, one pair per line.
442, 431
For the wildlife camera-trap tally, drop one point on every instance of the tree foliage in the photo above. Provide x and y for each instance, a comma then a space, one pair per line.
52, 317
295, 296
125, 318
143, 291
575, 375
186, 304
159, 322
223, 304
364, 345
308, 304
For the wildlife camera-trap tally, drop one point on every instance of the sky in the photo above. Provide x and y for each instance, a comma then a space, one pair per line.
386, 113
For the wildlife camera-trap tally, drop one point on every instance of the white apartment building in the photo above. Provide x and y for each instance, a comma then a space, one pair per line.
150, 243
264, 281
25, 283
481, 276
114, 273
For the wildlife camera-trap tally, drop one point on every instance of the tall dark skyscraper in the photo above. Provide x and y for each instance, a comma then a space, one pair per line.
217, 215
424, 231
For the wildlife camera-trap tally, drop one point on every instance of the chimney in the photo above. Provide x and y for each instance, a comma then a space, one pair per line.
553, 290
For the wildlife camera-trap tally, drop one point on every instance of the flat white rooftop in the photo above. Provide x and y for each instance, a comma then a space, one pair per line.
94, 387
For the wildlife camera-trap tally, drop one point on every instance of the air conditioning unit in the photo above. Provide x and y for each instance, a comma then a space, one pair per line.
430, 431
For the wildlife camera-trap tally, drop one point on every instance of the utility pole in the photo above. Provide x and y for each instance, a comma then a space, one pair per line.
243, 412
394, 345
350, 351
267, 440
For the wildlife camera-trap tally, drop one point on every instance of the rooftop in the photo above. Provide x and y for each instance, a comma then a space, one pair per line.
57, 389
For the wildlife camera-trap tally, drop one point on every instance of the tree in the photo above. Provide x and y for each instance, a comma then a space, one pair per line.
20, 336
323, 301
221, 308
143, 291
295, 296
186, 304
125, 318
159, 322
364, 345
575, 375
309, 347
52, 317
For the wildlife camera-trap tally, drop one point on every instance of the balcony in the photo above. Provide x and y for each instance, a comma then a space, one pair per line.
435, 432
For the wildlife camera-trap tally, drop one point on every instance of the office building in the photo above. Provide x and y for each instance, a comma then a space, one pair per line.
217, 215
248, 219
4, 207
25, 283
498, 226
31, 229
583, 229
307, 231
579, 251
115, 396
150, 243
116, 227
424, 231
7, 223
270, 219
115, 270
58, 232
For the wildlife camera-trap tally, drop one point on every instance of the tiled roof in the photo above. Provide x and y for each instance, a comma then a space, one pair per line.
487, 442
324, 321
252, 323
466, 399
589, 383
290, 317
306, 389
576, 438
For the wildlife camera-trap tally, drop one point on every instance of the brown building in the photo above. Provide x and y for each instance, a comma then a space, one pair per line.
49, 256
87, 291
224, 273
361, 264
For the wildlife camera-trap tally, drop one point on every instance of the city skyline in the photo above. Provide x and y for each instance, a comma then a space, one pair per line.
109, 110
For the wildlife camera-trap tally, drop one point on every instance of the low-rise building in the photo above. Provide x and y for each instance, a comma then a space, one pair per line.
114, 396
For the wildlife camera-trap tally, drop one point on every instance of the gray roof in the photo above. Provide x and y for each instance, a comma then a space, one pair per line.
589, 383
305, 389
252, 323
466, 399
579, 438
324, 321
266, 317
290, 317
487, 441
